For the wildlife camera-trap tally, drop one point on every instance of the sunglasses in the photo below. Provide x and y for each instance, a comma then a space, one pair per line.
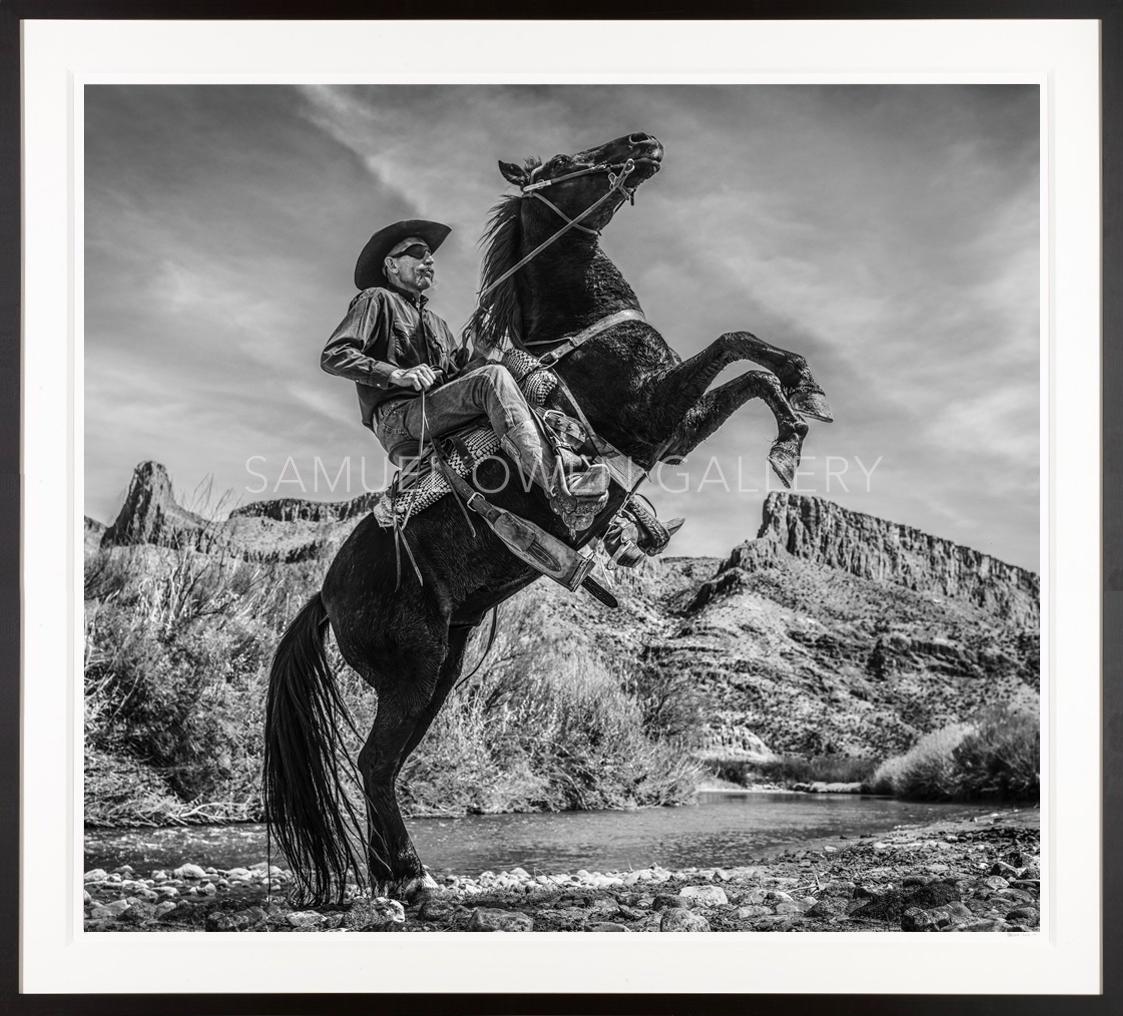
414, 250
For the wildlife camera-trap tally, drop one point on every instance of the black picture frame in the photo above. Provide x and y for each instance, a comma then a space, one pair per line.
1108, 12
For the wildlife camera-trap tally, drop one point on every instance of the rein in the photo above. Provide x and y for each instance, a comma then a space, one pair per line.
616, 182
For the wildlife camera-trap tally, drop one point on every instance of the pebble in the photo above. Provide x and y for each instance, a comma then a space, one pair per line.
486, 919
678, 919
605, 926
666, 901
748, 913
305, 919
95, 875
374, 915
705, 895
189, 871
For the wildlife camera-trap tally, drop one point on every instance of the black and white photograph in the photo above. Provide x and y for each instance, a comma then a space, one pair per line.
565, 508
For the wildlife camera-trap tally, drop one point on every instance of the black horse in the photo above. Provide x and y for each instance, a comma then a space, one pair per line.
408, 642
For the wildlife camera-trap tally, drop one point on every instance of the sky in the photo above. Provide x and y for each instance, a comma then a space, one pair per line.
890, 234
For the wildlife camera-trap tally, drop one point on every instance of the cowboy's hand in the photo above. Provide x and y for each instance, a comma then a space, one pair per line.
420, 378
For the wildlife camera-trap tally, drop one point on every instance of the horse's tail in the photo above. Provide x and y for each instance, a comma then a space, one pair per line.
306, 804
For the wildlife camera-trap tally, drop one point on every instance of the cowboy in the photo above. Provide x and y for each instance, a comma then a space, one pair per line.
414, 379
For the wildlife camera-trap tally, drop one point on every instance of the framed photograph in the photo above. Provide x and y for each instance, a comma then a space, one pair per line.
579, 480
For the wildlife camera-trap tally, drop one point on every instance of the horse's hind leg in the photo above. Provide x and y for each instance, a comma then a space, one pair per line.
401, 704
800, 386
681, 386
715, 407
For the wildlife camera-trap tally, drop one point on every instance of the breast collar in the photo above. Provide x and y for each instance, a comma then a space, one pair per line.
566, 345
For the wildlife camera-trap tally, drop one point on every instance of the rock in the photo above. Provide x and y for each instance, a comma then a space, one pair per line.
87, 899
139, 912
484, 919
788, 908
721, 875
95, 875
379, 914
679, 919
936, 918
165, 908
665, 901
995, 882
436, 909
606, 906
755, 897
605, 926
236, 920
521, 873
983, 924
1002, 868
748, 913
209, 889
1023, 915
827, 906
705, 895
304, 919
117, 907
167, 891
190, 871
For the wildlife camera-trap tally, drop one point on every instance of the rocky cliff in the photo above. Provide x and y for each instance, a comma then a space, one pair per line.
821, 531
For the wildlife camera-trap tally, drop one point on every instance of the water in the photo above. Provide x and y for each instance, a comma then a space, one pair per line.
721, 830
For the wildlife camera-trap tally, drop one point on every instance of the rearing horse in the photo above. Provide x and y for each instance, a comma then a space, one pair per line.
408, 643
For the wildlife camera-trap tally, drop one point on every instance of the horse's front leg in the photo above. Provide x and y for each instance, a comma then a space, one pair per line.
715, 407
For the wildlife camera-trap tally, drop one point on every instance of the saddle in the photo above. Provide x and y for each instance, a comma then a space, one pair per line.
427, 475
420, 483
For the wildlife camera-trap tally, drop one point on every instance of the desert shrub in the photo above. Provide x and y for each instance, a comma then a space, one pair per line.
1001, 757
551, 729
927, 770
792, 769
833, 768
177, 649
993, 756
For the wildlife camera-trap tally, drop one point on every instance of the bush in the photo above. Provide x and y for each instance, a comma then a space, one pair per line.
551, 728
993, 756
1001, 757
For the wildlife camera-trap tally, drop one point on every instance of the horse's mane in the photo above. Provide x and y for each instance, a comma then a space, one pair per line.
497, 319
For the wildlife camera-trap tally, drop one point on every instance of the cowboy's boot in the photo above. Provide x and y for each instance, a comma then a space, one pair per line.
526, 446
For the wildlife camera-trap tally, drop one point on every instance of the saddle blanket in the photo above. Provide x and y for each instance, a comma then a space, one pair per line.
404, 499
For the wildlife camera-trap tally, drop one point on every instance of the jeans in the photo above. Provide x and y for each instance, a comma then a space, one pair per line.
489, 391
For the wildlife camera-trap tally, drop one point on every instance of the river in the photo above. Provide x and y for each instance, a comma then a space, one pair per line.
722, 829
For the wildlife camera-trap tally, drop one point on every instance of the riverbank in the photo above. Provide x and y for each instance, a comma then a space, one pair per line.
980, 874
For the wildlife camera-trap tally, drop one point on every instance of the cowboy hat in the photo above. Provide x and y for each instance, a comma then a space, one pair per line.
368, 269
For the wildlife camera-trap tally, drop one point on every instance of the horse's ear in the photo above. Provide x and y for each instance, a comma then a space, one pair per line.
513, 173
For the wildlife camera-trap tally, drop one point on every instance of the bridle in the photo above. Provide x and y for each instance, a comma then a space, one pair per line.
616, 183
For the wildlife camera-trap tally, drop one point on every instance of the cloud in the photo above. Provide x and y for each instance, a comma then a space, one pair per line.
888, 233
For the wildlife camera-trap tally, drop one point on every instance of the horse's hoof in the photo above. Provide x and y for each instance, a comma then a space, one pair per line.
784, 456
811, 402
417, 887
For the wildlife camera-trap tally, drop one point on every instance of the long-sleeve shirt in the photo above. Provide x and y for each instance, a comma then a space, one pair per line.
384, 330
